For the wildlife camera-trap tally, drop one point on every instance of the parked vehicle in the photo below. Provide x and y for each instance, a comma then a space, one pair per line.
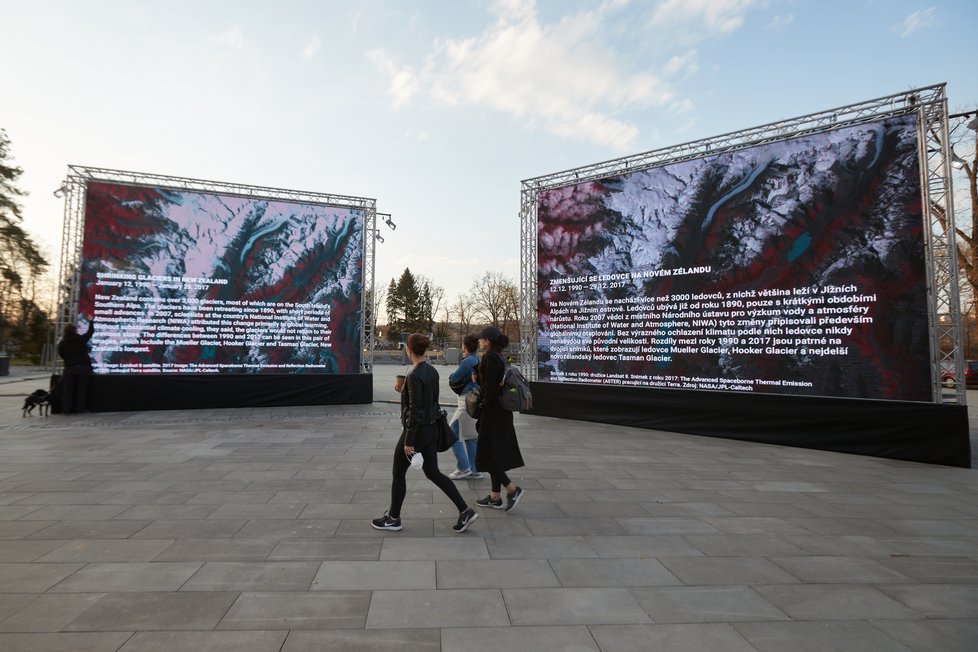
971, 373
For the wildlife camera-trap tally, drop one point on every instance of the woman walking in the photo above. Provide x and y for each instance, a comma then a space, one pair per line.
419, 408
497, 451
461, 422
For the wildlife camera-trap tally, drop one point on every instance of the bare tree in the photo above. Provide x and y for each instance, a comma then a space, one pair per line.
495, 299
963, 146
372, 305
463, 312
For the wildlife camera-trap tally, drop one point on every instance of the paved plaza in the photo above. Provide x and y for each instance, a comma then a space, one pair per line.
249, 530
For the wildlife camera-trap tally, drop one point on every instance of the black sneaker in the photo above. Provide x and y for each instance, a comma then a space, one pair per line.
386, 522
513, 499
489, 502
465, 520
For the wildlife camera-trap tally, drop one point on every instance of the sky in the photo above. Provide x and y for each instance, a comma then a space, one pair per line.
436, 109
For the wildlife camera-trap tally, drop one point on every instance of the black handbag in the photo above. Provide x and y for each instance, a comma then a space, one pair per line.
446, 436
473, 402
459, 386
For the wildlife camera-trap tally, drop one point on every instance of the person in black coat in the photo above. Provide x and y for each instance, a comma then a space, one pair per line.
497, 450
73, 349
419, 409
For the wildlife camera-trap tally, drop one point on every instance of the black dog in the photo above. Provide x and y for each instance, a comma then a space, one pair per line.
39, 399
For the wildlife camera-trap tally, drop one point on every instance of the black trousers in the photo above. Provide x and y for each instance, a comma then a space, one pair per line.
75, 384
431, 470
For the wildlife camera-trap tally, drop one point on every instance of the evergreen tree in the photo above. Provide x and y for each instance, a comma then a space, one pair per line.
394, 310
425, 319
407, 290
21, 261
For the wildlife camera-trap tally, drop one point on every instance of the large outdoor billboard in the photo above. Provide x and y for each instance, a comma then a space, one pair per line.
189, 282
791, 267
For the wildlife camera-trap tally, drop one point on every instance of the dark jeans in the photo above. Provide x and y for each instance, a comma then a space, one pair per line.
430, 468
75, 383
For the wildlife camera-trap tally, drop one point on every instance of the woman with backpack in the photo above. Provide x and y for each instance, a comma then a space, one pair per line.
497, 450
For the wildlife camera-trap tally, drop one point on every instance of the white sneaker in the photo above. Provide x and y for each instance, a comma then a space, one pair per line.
476, 476
459, 475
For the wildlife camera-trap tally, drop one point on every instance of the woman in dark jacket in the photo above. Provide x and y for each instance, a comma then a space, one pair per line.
419, 409
497, 451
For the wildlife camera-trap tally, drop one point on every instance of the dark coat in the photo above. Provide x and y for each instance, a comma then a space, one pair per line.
497, 451
73, 348
419, 405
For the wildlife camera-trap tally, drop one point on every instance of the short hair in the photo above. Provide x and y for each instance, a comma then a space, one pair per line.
70, 329
418, 343
471, 342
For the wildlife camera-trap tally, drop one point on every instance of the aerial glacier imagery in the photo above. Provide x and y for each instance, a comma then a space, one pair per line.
198, 282
833, 214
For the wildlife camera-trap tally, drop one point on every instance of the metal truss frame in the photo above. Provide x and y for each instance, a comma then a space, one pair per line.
929, 103
74, 189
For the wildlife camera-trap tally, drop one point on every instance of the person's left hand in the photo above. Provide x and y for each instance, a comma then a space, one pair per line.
408, 450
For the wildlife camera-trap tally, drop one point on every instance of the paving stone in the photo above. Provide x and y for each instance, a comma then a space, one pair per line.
253, 576
340, 549
107, 550
252, 641
120, 577
844, 570
643, 547
153, 611
258, 512
278, 530
727, 570
75, 512
936, 600
371, 640
298, 610
492, 639
587, 606
708, 637
706, 604
495, 574
11, 551
371, 575
168, 512
13, 602
23, 529
652, 526
818, 637
216, 550
612, 572
539, 548
112, 529
834, 602
87, 642
442, 608
33, 577
49, 612
459, 547
551, 527
191, 529
935, 570
944, 635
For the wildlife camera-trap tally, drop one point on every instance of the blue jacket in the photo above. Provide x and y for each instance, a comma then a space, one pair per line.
465, 368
